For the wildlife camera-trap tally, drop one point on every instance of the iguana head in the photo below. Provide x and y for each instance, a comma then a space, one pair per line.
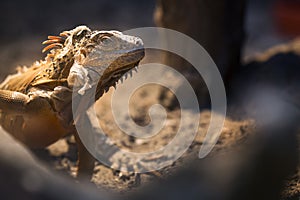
100, 58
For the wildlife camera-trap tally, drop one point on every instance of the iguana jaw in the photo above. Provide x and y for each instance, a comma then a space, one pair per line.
82, 78
121, 66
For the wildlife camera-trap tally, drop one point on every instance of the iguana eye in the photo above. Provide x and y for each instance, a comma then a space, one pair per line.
105, 40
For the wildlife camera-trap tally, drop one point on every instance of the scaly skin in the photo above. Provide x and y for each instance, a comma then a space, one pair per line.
35, 103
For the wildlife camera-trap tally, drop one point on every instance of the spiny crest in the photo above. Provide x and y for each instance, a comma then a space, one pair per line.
65, 38
52, 42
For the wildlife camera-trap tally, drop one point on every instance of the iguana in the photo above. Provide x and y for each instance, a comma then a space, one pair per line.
35, 103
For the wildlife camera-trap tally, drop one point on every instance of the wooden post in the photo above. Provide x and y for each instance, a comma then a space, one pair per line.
216, 25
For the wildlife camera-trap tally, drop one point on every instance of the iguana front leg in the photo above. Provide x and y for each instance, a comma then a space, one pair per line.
86, 162
30, 119
35, 133
14, 102
62, 101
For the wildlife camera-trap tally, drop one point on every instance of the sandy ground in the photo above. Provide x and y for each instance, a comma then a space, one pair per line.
62, 154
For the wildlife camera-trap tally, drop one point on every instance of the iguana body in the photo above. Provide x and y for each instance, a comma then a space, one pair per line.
35, 103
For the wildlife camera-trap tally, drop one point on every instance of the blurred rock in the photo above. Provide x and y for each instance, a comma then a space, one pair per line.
23, 177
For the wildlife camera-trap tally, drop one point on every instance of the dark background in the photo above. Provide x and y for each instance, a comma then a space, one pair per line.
36, 18
25, 24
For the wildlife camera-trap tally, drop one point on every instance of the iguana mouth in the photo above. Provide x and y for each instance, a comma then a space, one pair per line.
124, 62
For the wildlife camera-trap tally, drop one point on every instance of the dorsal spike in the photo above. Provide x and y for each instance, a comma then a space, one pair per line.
54, 37
52, 46
53, 41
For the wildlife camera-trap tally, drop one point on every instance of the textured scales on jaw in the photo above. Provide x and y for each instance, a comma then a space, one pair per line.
89, 58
